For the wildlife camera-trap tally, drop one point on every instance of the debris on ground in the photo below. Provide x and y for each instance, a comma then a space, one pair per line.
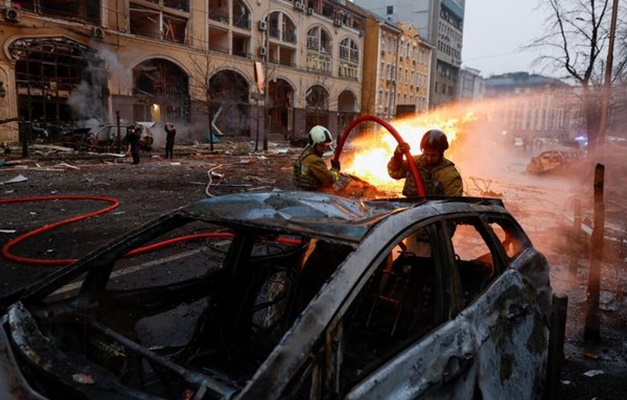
17, 179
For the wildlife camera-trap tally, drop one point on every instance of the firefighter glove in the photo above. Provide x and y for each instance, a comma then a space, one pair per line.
335, 164
400, 150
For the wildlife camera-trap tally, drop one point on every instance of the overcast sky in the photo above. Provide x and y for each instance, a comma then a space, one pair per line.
494, 32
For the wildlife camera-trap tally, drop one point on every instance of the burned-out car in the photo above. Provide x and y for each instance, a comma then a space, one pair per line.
106, 137
291, 295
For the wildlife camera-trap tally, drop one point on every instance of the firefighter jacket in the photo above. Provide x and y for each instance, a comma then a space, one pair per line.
442, 179
311, 171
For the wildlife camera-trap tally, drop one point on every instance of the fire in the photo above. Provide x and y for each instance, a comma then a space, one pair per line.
369, 154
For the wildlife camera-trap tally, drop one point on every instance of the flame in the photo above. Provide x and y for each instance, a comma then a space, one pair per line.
369, 154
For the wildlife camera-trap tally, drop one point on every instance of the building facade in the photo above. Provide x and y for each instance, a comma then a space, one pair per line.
236, 67
532, 106
471, 85
380, 67
396, 70
440, 24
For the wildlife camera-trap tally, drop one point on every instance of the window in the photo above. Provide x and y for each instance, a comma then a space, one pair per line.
318, 50
389, 10
511, 236
475, 256
396, 307
349, 57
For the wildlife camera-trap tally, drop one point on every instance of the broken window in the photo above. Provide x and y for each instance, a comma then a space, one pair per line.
475, 257
219, 39
398, 304
510, 236
88, 11
282, 27
219, 11
241, 45
317, 106
317, 97
181, 5
280, 95
349, 56
228, 93
319, 50
59, 79
160, 85
241, 15
157, 24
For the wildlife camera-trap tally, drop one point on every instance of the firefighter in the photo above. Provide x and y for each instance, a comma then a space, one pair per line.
310, 170
439, 175
170, 131
133, 135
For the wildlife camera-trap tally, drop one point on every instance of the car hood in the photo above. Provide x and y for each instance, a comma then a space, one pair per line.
311, 213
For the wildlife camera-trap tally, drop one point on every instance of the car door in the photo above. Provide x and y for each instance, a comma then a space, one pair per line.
502, 309
407, 346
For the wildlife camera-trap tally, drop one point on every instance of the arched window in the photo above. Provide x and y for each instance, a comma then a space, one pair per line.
349, 59
319, 50
282, 27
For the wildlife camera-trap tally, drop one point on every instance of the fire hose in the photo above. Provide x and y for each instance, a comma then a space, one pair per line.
6, 249
412, 166
115, 203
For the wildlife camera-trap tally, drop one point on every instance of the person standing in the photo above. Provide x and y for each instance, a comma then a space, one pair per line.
439, 175
170, 131
134, 135
310, 170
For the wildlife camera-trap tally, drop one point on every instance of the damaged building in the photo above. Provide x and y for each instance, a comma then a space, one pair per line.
239, 67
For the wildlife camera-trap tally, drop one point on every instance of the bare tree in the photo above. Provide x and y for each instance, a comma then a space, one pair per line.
220, 90
576, 42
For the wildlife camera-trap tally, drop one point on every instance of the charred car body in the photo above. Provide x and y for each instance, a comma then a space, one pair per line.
555, 161
291, 295
106, 137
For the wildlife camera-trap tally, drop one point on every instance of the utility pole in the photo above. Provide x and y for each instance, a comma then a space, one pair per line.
118, 136
592, 330
266, 97
608, 83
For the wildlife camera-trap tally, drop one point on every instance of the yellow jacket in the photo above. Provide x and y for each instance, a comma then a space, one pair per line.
442, 179
311, 171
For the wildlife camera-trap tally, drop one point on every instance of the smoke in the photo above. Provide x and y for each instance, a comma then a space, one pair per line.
88, 100
185, 134
113, 65
84, 104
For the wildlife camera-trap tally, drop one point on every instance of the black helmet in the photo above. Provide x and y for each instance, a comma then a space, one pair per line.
434, 139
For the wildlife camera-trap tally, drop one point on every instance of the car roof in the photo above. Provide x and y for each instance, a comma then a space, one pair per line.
321, 215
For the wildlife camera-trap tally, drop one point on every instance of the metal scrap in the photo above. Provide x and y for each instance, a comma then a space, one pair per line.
17, 179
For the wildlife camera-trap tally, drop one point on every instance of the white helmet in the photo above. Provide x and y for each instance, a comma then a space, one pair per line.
319, 134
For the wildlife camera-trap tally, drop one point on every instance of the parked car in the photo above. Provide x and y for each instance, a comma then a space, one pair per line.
291, 295
106, 136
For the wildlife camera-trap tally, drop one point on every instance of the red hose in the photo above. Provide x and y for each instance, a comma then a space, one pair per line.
115, 203
25, 260
412, 166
